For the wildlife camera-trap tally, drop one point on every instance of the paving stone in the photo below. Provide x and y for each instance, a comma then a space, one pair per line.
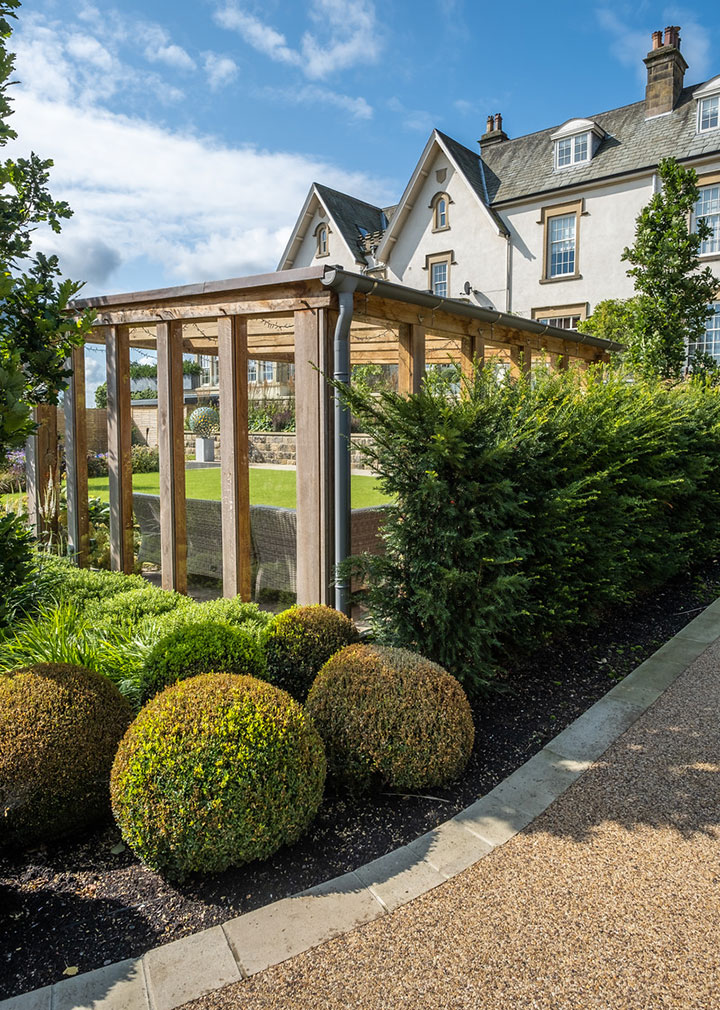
592, 733
38, 999
492, 820
400, 876
539, 782
186, 969
119, 986
705, 628
450, 848
279, 931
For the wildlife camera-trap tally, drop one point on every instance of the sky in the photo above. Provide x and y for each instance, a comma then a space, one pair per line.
186, 133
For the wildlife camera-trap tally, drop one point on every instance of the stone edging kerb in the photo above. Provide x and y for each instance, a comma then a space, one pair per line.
169, 976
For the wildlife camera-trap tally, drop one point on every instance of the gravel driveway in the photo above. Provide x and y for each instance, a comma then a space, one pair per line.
609, 900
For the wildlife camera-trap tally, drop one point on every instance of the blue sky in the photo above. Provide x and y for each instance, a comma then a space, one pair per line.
185, 134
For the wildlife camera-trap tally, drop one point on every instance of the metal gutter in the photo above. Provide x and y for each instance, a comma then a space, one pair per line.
335, 276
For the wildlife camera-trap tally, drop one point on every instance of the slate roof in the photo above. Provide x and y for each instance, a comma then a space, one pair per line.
350, 215
525, 166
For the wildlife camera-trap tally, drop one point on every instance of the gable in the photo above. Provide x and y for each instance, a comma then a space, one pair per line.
349, 221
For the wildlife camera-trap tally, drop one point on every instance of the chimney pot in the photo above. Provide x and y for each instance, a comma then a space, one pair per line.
490, 124
672, 36
656, 40
498, 121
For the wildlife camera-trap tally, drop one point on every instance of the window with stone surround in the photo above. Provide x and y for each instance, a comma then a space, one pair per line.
440, 205
561, 240
565, 317
321, 237
710, 343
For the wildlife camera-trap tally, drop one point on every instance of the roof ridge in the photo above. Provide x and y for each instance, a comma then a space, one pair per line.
348, 196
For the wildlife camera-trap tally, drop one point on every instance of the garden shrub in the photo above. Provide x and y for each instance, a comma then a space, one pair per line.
60, 726
129, 607
390, 717
82, 585
200, 647
524, 509
215, 772
145, 459
18, 569
300, 640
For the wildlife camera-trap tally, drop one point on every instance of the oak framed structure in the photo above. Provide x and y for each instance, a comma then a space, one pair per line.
324, 319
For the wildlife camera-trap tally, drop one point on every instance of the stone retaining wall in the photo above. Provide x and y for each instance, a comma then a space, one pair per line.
274, 447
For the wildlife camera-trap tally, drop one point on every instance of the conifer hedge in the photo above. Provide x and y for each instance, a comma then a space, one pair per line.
526, 508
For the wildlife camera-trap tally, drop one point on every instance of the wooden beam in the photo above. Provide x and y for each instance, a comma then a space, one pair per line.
41, 465
210, 309
234, 456
314, 455
119, 425
411, 357
472, 354
171, 444
76, 461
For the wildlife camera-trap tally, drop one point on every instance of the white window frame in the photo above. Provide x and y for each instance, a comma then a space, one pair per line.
322, 246
710, 344
440, 265
553, 222
711, 246
252, 370
268, 371
702, 103
576, 155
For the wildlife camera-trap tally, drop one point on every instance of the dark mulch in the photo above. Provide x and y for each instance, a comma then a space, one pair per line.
83, 903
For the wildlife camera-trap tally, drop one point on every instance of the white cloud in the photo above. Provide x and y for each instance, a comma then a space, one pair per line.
160, 49
347, 35
189, 206
312, 94
412, 119
220, 70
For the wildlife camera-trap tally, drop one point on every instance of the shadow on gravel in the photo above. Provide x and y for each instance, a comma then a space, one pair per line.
23, 919
664, 772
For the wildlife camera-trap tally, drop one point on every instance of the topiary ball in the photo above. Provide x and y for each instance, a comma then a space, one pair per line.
215, 772
204, 421
300, 640
202, 647
59, 730
390, 717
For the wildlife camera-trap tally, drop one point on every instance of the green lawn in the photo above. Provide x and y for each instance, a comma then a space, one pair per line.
267, 487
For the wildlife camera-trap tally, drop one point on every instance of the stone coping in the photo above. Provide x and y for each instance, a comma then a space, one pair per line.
167, 977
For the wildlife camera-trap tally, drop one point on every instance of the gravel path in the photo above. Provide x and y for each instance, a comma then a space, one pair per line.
609, 900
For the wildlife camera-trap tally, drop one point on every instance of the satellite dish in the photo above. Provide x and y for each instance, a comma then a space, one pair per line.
467, 287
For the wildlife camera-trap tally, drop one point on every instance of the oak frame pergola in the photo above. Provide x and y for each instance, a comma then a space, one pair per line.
323, 319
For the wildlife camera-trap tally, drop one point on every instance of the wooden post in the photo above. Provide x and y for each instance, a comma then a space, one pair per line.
411, 358
520, 360
119, 425
314, 331
472, 352
41, 465
235, 472
171, 445
76, 461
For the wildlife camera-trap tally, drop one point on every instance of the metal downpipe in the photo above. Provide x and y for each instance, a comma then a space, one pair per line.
341, 373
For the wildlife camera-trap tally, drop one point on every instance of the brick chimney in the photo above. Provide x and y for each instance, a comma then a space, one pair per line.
666, 68
494, 132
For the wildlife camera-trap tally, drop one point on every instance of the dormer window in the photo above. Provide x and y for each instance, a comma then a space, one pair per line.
440, 204
708, 106
576, 142
708, 109
321, 235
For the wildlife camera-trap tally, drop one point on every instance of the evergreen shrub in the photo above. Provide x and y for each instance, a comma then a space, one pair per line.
80, 586
59, 726
215, 772
128, 608
524, 509
200, 647
300, 640
390, 717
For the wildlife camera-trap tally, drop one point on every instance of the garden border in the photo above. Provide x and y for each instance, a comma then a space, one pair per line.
167, 977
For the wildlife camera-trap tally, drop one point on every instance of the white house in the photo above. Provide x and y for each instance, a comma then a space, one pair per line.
534, 225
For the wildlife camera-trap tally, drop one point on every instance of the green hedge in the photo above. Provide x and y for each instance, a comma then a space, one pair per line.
524, 509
